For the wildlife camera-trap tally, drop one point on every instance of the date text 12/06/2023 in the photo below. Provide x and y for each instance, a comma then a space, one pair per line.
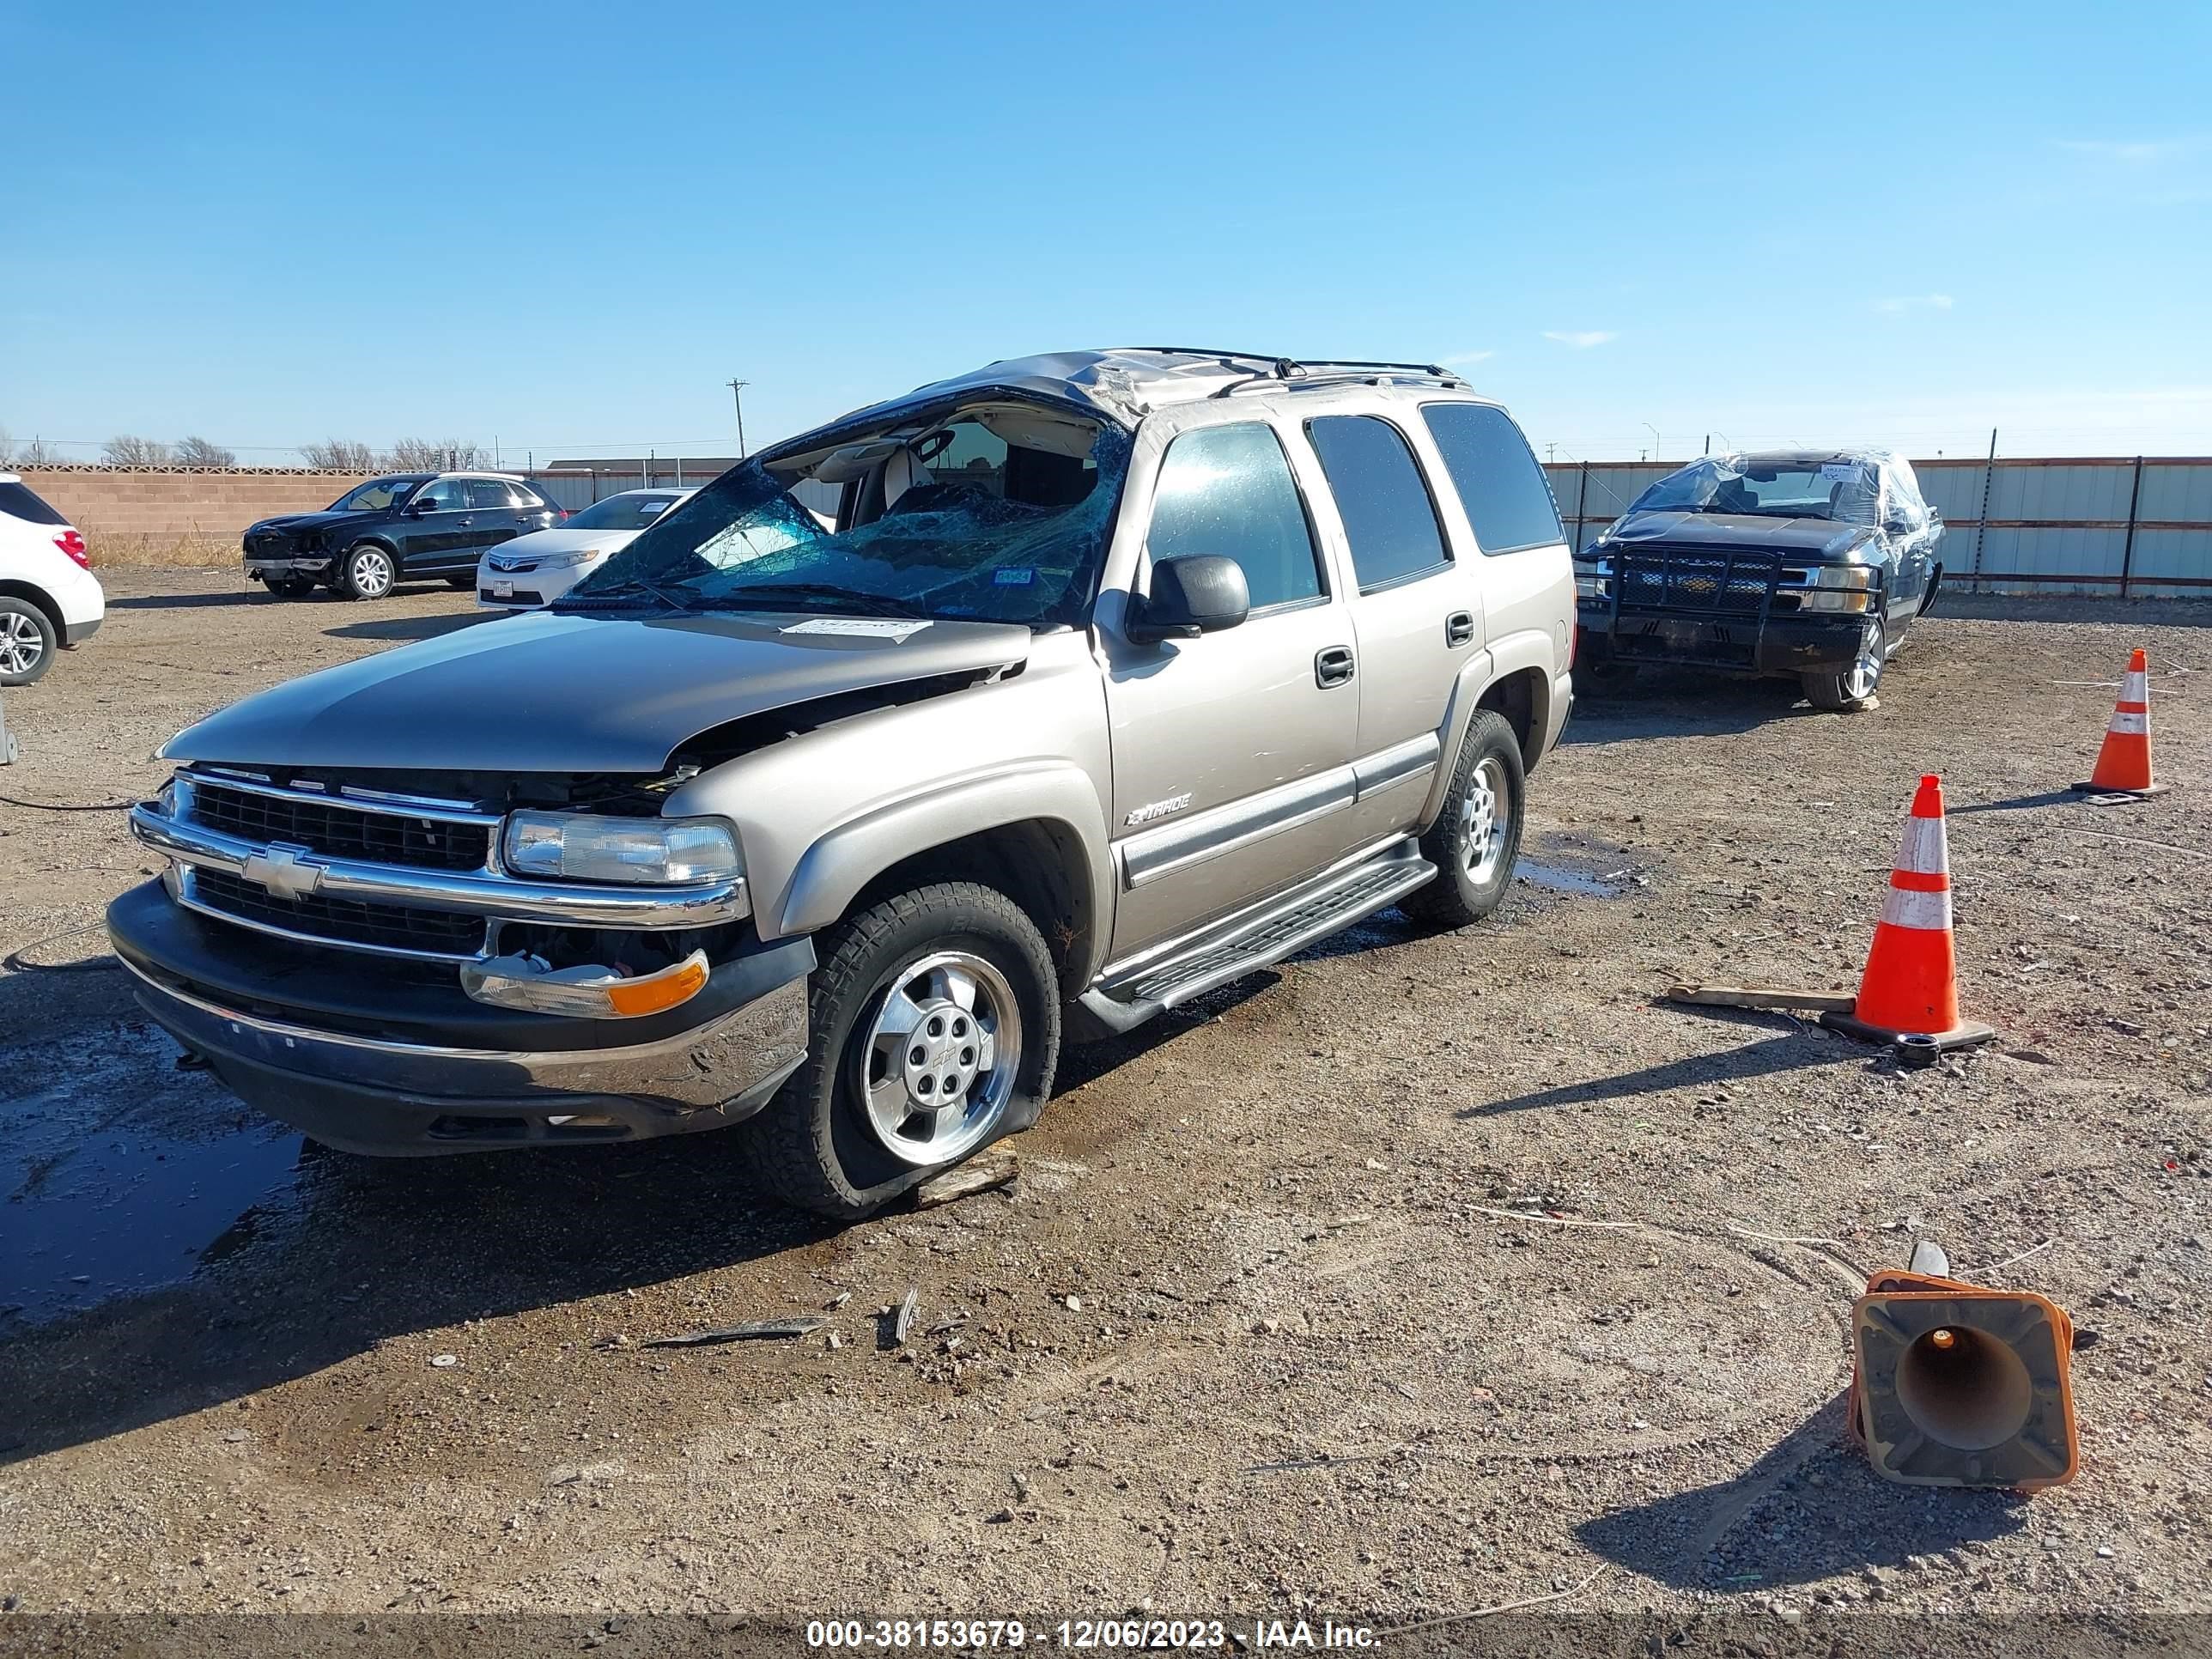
1128, 1634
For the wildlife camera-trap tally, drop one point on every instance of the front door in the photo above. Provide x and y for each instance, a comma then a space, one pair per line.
434, 529
1232, 751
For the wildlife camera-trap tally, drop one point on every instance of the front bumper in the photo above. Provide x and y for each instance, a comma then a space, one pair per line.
392, 1060
261, 569
1742, 644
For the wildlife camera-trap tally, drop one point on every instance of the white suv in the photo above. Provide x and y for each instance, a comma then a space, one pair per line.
49, 597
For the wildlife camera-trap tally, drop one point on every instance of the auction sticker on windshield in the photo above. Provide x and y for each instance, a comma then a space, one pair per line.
867, 627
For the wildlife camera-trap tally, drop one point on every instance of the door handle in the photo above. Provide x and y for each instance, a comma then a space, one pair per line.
466, 523
1333, 666
1459, 628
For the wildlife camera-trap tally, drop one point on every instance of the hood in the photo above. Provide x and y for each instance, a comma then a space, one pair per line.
1824, 537
544, 693
539, 543
305, 520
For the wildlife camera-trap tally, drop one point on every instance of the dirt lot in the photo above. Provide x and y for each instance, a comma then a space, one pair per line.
1263, 1327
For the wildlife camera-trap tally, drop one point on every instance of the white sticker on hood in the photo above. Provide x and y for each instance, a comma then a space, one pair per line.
896, 628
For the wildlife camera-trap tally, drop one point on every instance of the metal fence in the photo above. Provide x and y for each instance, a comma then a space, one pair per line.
2135, 527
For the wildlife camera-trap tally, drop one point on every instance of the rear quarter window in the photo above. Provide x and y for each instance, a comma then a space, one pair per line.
1507, 497
19, 500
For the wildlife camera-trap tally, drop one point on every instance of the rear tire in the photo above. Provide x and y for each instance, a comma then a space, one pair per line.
1854, 688
366, 571
1477, 834
28, 641
850, 1132
461, 584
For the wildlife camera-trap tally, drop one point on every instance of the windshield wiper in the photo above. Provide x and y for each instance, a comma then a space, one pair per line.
859, 598
629, 586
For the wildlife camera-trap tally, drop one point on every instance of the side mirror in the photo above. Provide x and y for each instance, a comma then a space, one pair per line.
1198, 593
416, 508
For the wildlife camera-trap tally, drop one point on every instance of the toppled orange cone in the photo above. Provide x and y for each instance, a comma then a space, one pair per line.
1910, 990
1956, 1385
2123, 763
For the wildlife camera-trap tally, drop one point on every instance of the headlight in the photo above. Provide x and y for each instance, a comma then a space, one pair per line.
559, 560
1846, 587
582, 846
1592, 578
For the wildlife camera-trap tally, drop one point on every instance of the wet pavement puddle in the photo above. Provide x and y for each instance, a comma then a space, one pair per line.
1580, 867
127, 1176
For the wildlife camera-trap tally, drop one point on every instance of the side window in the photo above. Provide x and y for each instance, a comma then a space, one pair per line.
1507, 498
490, 493
1228, 489
441, 495
524, 496
1388, 518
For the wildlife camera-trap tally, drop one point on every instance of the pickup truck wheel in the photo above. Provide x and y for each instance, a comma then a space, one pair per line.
366, 571
1853, 688
1477, 835
936, 1029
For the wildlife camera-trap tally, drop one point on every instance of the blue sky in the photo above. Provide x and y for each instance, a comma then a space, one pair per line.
565, 227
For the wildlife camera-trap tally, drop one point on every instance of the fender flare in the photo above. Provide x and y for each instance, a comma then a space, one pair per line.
1515, 654
839, 863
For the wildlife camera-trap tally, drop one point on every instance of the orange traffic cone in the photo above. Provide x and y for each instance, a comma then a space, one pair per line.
2123, 763
1910, 990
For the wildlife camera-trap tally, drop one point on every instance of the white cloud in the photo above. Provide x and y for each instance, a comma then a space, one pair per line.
1581, 339
1915, 303
1461, 359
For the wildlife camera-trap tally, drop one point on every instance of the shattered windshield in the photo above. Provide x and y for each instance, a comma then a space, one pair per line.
954, 523
1845, 491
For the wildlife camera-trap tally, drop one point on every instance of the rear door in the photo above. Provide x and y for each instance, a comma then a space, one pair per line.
496, 516
1232, 751
1415, 614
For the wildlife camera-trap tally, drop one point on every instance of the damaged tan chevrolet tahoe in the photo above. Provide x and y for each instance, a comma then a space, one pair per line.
1112, 677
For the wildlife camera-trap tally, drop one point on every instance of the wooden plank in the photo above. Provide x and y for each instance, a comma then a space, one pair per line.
1760, 996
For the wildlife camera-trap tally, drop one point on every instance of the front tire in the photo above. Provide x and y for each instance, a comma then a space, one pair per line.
1477, 834
367, 571
1853, 688
943, 993
28, 642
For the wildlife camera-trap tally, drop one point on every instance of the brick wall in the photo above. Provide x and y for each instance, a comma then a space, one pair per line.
174, 517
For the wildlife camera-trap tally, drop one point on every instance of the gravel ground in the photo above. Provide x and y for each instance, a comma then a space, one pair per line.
1262, 1327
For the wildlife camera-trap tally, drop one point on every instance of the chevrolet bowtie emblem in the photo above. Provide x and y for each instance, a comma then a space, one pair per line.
284, 871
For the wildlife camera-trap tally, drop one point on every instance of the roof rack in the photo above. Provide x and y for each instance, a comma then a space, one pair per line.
1287, 368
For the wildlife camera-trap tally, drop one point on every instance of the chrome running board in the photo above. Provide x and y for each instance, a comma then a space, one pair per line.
1170, 976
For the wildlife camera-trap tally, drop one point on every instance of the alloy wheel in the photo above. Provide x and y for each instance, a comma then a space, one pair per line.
371, 574
21, 644
1483, 821
939, 1059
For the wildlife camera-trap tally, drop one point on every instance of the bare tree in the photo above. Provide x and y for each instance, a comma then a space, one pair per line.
124, 450
432, 455
340, 455
35, 454
7, 447
203, 452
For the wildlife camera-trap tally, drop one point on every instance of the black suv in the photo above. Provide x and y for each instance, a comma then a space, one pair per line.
407, 527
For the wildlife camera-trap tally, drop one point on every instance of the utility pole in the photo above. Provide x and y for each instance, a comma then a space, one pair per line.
737, 396
1656, 443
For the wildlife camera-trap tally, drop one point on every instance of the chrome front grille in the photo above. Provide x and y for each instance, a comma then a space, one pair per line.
388, 929
339, 828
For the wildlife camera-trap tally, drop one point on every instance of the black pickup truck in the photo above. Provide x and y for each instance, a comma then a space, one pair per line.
1807, 563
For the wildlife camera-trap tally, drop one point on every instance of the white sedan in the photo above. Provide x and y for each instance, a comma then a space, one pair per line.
540, 568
